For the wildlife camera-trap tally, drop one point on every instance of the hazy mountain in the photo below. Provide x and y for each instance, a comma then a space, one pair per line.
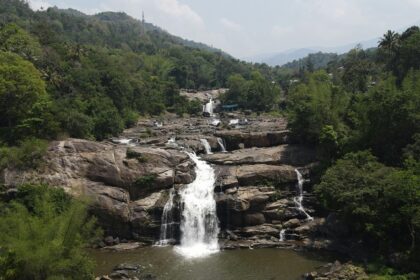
282, 58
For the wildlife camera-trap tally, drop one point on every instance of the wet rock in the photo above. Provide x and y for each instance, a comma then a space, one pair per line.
109, 240
293, 223
125, 246
265, 229
253, 219
338, 271
127, 266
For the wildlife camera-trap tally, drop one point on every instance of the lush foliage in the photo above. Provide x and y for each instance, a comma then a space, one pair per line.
42, 235
257, 94
28, 154
380, 204
364, 119
96, 74
24, 102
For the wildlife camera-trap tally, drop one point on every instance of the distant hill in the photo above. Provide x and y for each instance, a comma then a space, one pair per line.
121, 30
281, 58
318, 60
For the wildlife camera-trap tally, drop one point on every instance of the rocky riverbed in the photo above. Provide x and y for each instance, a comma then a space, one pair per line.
128, 179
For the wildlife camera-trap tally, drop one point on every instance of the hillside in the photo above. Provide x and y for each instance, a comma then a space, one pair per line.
109, 64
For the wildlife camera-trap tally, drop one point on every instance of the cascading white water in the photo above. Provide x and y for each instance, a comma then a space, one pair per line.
199, 223
206, 145
282, 235
222, 145
124, 141
208, 108
299, 200
167, 225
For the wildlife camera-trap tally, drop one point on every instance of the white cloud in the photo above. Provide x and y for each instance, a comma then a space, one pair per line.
38, 4
231, 25
176, 9
278, 30
415, 3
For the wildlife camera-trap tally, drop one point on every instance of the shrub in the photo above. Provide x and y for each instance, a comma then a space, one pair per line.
133, 154
145, 181
43, 238
28, 154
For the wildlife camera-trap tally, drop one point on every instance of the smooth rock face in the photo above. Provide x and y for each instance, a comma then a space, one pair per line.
234, 138
128, 185
108, 174
285, 154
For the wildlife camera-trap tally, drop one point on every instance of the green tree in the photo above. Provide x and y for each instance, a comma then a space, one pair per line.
381, 205
316, 112
15, 39
24, 102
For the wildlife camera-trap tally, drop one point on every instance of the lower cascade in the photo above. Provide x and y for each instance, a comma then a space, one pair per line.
167, 226
299, 200
222, 145
199, 223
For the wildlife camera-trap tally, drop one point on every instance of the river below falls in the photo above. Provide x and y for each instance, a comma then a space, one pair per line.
165, 263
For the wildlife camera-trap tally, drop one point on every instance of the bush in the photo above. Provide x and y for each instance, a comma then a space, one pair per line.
133, 154
27, 155
145, 181
43, 238
380, 204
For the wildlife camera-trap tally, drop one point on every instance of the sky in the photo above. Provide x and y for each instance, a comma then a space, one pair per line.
246, 28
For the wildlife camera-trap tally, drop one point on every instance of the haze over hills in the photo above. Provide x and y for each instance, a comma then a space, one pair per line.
281, 58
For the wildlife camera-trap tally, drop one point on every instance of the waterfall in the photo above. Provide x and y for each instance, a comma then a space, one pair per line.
167, 226
282, 235
221, 144
199, 223
206, 145
299, 200
124, 141
208, 108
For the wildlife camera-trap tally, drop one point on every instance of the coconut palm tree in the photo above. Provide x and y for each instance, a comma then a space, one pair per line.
390, 41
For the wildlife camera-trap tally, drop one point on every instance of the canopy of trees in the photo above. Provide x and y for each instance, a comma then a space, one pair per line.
364, 119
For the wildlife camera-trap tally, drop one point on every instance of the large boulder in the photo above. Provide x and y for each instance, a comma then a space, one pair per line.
73, 163
228, 177
127, 185
263, 173
285, 154
244, 207
234, 138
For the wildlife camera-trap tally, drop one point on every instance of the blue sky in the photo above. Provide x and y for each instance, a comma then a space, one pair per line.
246, 28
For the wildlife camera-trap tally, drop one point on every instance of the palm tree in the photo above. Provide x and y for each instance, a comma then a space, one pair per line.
390, 42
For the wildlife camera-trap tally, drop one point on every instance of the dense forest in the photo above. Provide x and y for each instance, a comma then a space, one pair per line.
67, 74
91, 76
363, 114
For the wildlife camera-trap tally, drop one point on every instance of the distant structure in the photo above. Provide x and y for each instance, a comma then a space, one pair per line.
143, 26
231, 107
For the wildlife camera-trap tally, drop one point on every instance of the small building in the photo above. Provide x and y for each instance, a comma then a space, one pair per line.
230, 108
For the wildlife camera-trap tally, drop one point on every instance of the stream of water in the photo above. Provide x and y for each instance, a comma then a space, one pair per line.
206, 145
299, 200
199, 223
167, 229
222, 145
